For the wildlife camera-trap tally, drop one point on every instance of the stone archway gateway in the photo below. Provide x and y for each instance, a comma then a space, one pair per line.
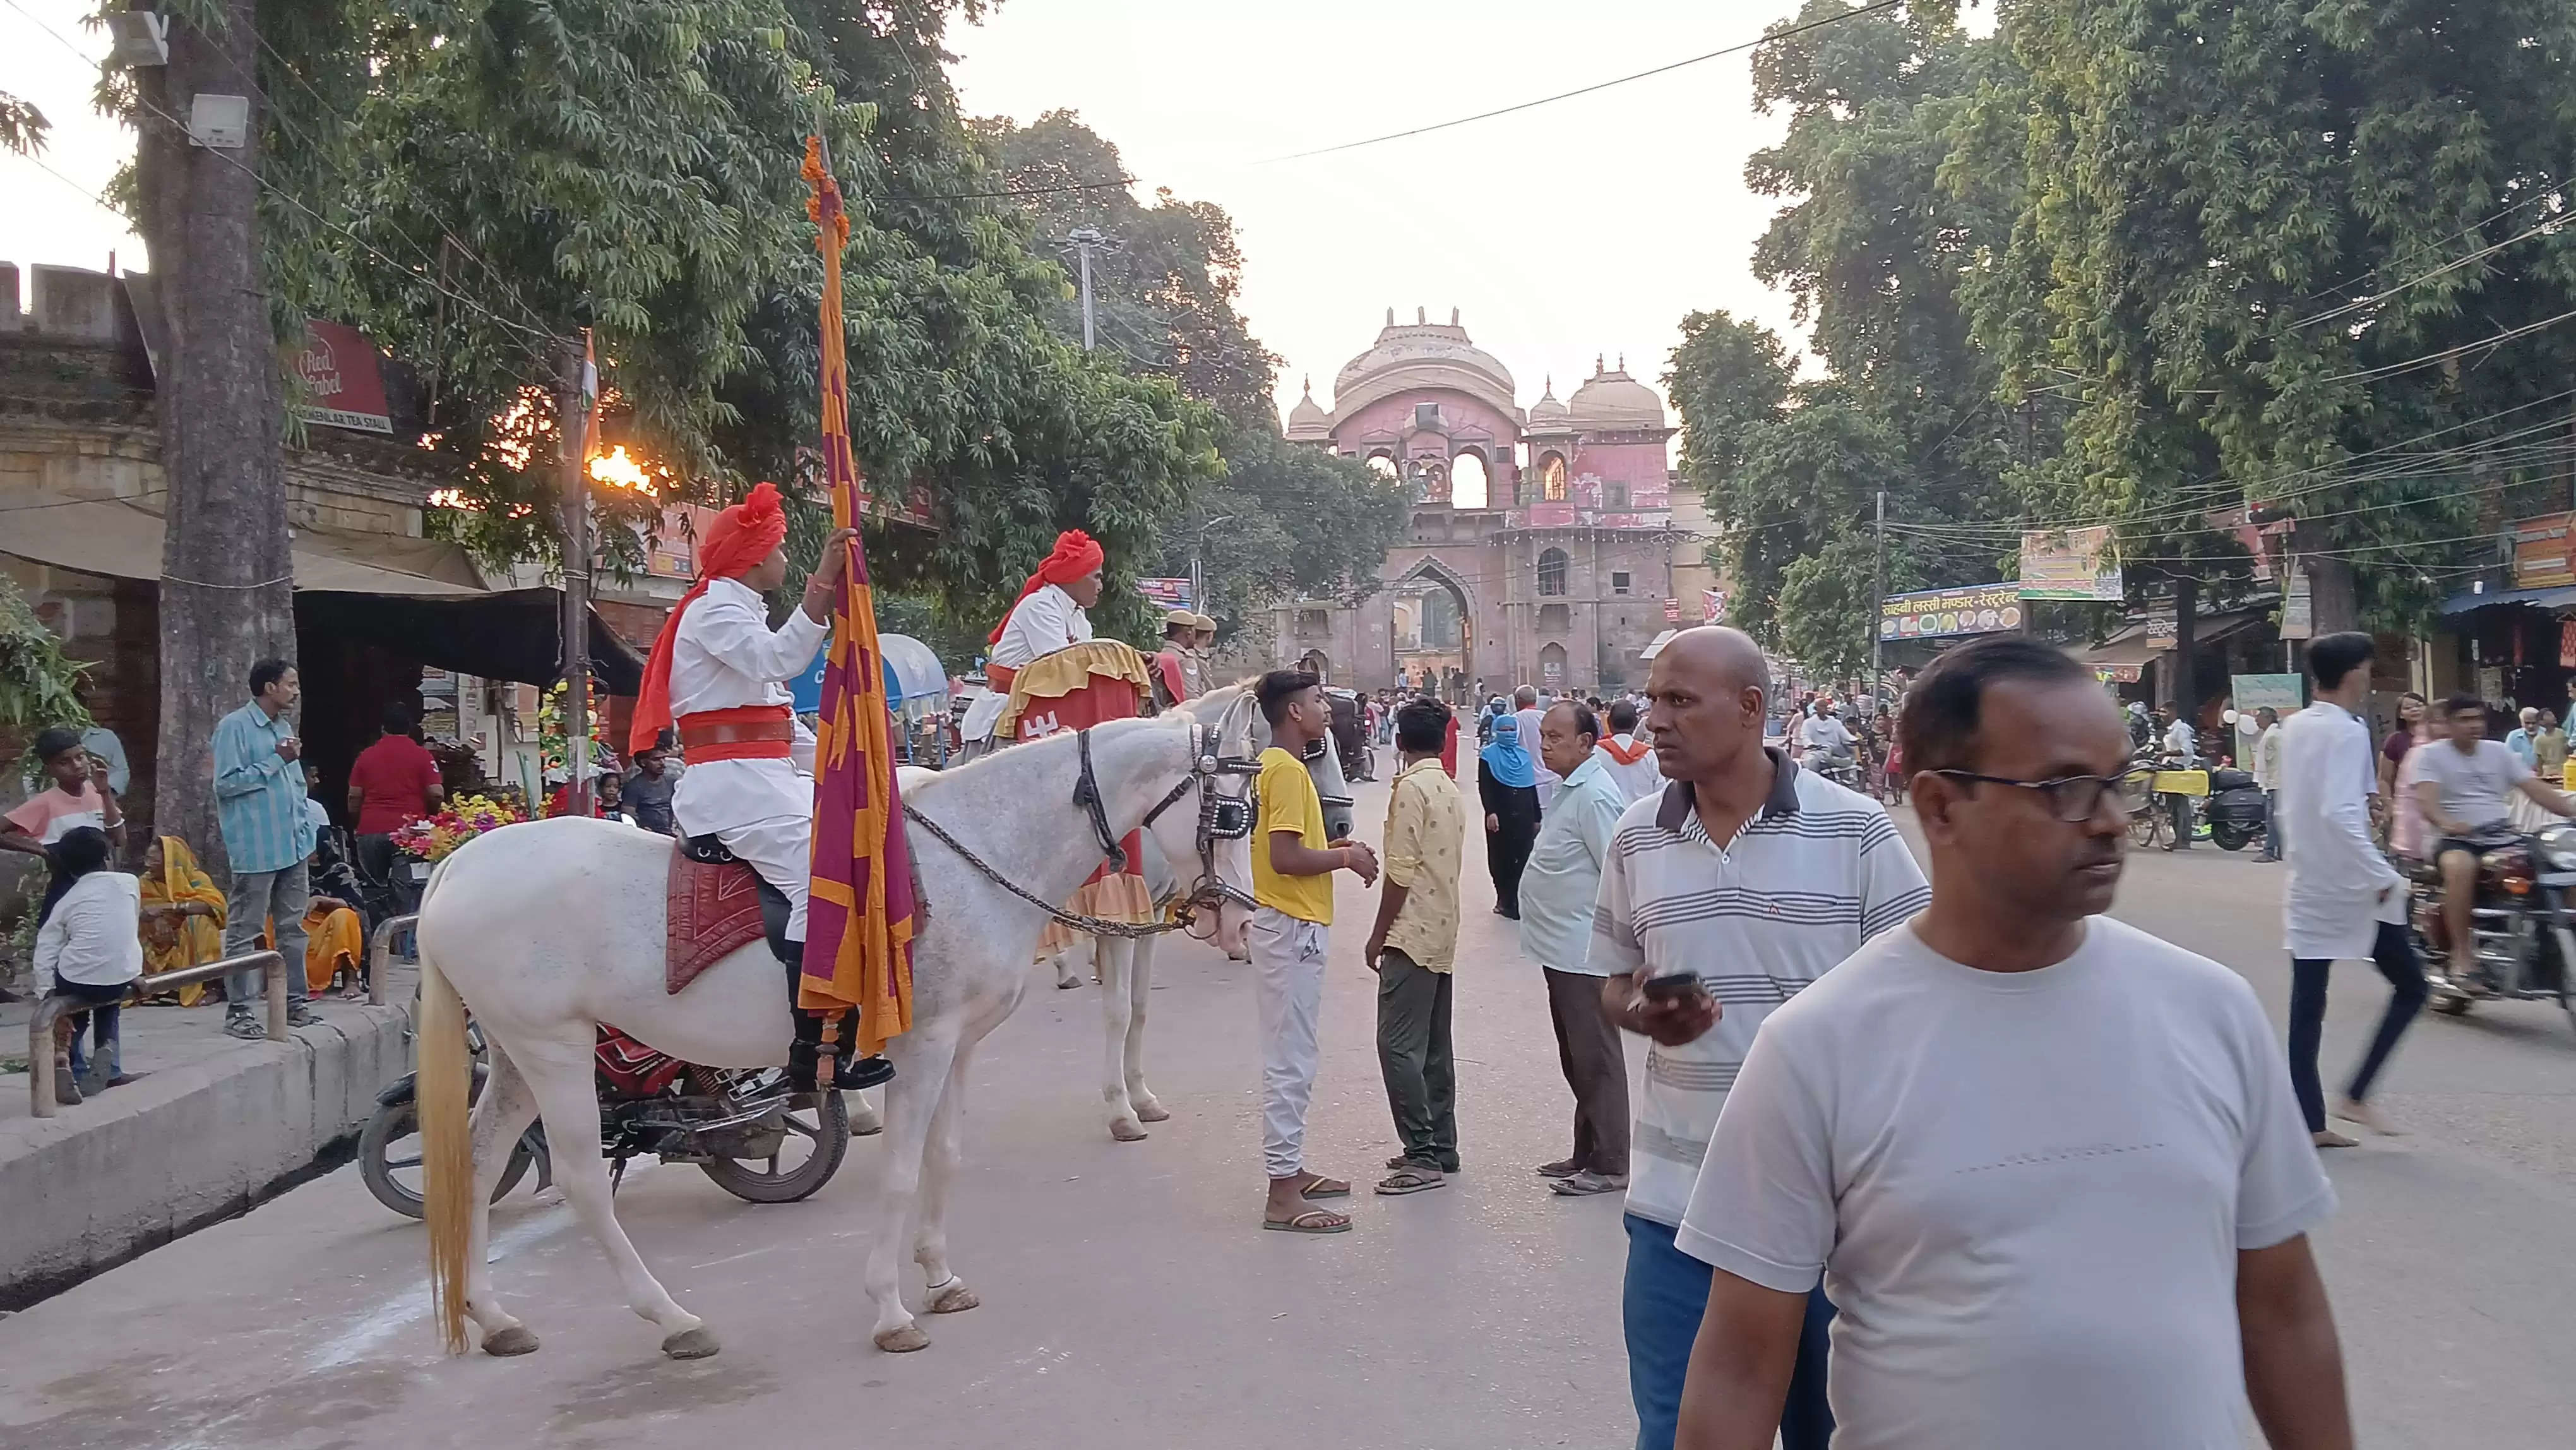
1315, 662
1431, 632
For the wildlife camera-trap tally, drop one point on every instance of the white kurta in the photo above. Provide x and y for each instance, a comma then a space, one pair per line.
726, 656
1041, 624
2332, 907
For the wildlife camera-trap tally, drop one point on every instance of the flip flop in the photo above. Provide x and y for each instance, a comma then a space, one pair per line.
1318, 1186
1312, 1221
1412, 1178
1587, 1183
1561, 1168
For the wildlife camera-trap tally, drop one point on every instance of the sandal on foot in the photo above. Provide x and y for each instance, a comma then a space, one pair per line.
1412, 1178
1561, 1168
1312, 1221
1319, 1186
1587, 1183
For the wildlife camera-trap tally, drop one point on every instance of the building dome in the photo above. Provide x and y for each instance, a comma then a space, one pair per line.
1308, 423
1612, 399
1423, 354
1547, 410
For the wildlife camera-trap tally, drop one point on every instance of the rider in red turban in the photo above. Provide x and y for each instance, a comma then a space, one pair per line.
741, 540
1076, 554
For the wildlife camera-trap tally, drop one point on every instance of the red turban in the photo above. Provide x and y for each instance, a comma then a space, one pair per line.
741, 537
1076, 554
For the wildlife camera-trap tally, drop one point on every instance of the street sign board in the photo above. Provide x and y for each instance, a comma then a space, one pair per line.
342, 386
1933, 613
1167, 593
2284, 693
2069, 564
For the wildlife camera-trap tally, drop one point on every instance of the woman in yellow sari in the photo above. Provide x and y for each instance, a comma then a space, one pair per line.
183, 914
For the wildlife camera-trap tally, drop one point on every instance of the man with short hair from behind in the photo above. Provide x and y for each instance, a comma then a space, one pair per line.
2048, 1165
1292, 888
1413, 948
1629, 760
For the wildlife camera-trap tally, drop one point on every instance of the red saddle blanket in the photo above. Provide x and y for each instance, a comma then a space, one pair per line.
714, 912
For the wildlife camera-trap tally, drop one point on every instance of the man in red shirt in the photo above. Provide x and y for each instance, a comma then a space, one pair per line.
393, 783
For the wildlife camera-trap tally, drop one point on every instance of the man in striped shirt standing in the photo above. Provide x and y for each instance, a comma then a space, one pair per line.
1741, 882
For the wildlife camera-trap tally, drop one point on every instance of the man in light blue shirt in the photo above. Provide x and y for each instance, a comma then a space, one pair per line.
1558, 888
2518, 740
259, 804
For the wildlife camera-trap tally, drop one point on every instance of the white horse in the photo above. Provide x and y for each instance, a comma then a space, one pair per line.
1126, 965
551, 928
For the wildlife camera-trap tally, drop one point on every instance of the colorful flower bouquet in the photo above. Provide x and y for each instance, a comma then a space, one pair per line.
437, 838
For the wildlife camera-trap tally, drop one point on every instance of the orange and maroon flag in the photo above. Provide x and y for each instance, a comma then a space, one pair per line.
860, 919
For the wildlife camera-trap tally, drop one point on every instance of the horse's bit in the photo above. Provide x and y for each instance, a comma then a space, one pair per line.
1221, 818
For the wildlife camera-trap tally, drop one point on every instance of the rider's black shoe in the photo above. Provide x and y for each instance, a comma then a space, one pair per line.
864, 1072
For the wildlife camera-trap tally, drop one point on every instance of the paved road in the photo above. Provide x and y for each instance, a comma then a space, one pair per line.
1129, 1301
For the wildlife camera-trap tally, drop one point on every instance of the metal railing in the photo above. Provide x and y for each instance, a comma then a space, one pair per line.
380, 952
40, 1028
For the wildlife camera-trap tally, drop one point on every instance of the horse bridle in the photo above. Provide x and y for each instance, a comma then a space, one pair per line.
1221, 818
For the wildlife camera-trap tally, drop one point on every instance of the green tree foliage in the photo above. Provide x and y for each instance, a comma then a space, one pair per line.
1284, 519
22, 126
494, 173
2298, 254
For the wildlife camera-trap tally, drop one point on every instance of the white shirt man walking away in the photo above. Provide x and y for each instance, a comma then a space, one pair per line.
2344, 901
1724, 896
2047, 1165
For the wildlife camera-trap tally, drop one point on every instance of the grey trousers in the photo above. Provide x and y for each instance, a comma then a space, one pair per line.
1595, 1063
256, 897
1413, 1053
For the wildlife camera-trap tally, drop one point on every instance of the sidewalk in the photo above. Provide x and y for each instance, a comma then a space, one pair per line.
215, 1126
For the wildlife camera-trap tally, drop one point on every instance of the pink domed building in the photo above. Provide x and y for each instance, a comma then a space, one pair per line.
1541, 542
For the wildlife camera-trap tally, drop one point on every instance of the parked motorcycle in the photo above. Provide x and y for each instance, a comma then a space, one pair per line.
2522, 947
740, 1126
2235, 809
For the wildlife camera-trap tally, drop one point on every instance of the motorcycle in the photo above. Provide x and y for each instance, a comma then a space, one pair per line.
735, 1124
2523, 942
2235, 809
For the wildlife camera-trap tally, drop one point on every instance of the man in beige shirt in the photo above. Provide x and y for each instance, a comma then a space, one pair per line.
1411, 950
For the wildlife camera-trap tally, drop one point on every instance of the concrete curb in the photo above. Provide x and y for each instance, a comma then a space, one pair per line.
186, 1146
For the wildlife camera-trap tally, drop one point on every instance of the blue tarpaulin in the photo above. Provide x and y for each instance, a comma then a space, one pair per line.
915, 685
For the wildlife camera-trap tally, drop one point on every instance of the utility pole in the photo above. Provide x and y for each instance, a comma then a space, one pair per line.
1198, 571
1085, 241
1877, 603
575, 387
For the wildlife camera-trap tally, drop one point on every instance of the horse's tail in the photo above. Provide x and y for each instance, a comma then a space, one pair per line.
442, 1093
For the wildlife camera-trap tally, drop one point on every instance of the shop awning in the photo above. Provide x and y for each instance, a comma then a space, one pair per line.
2467, 600
510, 634
2128, 647
122, 540
1656, 645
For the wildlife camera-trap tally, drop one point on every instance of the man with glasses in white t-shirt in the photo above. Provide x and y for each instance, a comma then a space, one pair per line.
2049, 1167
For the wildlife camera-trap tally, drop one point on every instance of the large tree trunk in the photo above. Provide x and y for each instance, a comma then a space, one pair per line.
226, 590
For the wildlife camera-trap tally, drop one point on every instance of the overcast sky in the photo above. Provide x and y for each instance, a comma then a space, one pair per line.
1587, 227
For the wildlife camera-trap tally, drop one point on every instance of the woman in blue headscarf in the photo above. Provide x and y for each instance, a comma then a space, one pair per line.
1507, 779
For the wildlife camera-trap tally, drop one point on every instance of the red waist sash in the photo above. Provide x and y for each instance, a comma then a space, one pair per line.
745, 732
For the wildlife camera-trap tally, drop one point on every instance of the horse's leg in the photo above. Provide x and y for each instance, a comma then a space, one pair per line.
921, 1060
1119, 960
866, 1118
560, 1071
1140, 980
506, 1109
947, 1148
1066, 977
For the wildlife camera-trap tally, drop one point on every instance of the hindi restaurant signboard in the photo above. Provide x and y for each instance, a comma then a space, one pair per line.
1935, 613
2542, 550
343, 388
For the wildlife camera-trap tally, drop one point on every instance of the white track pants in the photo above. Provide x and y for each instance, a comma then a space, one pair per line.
1288, 977
781, 849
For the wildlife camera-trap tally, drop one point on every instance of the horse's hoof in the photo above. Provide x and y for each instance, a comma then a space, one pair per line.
904, 1340
863, 1128
698, 1343
1066, 984
1126, 1131
503, 1343
1152, 1112
955, 1299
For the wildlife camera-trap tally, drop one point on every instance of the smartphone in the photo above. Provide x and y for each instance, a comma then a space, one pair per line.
1670, 987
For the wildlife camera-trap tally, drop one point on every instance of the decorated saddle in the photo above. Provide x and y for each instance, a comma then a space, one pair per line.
1075, 688
715, 909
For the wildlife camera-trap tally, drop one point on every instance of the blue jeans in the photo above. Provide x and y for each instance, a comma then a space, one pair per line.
2271, 825
1666, 1296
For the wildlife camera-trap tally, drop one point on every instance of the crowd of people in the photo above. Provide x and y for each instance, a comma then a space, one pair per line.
1889, 1134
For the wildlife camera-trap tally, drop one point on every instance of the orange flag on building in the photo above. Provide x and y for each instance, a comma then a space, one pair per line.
861, 915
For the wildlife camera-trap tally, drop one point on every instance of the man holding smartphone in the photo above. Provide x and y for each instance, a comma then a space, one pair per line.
1741, 882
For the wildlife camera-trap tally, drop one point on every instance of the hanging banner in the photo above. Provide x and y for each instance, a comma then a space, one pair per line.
1167, 593
1672, 611
2069, 564
342, 385
1933, 613
1712, 606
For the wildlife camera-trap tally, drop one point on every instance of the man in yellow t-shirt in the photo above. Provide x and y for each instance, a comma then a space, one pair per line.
1292, 884
1412, 948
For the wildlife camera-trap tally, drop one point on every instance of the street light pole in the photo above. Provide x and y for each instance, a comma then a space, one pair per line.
1877, 602
1083, 240
574, 390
